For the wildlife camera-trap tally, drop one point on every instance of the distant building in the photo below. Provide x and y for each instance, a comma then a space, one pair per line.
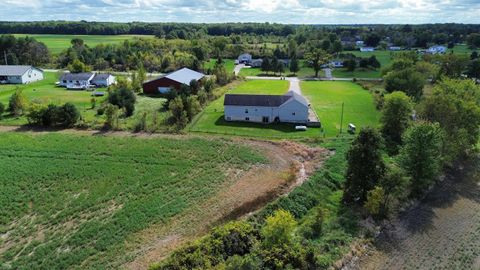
437, 50
359, 43
172, 81
289, 108
103, 80
20, 74
77, 81
367, 49
336, 64
245, 58
256, 63
395, 48
86, 80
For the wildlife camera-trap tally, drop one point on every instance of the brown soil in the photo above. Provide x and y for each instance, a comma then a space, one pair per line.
442, 232
244, 193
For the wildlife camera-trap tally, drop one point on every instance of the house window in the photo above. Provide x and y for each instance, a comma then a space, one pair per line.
247, 118
293, 114
246, 110
64, 81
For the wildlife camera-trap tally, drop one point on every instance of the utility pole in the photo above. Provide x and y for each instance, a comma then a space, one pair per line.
5, 55
341, 119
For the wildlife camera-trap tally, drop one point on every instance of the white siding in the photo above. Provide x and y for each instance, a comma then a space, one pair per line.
293, 111
250, 113
32, 75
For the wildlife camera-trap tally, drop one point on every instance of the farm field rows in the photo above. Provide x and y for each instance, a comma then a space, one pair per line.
58, 43
71, 202
326, 98
442, 232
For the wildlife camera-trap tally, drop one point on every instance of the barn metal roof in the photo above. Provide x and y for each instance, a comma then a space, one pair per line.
185, 76
12, 70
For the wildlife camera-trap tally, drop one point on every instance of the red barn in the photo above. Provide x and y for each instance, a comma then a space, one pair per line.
171, 81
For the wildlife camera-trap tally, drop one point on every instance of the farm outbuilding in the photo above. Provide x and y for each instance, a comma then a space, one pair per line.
172, 81
289, 108
10, 74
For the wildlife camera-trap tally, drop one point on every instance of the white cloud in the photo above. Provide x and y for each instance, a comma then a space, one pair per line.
282, 11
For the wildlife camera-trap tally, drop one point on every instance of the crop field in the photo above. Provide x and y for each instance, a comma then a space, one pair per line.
326, 98
58, 43
46, 92
73, 202
442, 232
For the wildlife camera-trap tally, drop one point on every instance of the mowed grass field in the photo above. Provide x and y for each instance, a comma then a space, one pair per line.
75, 202
304, 72
58, 43
326, 98
45, 91
229, 64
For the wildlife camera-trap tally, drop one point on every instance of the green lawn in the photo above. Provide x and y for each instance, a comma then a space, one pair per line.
45, 91
58, 43
327, 98
229, 64
77, 202
384, 57
303, 73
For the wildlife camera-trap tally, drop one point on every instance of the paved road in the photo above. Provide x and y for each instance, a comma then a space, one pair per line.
295, 85
238, 68
328, 73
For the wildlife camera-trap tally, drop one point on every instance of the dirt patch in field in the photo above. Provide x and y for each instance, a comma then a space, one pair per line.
442, 232
242, 194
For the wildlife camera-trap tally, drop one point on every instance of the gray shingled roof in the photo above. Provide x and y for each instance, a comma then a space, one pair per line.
101, 76
255, 100
13, 70
185, 76
262, 100
76, 76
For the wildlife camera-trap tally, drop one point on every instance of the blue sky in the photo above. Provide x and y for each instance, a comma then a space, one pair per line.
281, 11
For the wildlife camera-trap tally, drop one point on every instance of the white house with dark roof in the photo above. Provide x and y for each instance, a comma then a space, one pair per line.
20, 74
103, 80
86, 80
288, 108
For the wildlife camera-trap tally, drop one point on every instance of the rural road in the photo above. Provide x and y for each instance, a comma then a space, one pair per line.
238, 68
328, 73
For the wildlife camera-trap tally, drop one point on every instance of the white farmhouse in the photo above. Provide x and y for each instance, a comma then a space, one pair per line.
77, 81
20, 74
245, 58
289, 108
103, 79
367, 49
437, 50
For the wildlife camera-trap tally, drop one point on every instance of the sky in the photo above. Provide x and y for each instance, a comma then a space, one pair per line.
279, 11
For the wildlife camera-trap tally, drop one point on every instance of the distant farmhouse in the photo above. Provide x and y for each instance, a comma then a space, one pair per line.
20, 74
395, 48
367, 49
437, 50
86, 80
172, 81
247, 60
289, 108
359, 43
